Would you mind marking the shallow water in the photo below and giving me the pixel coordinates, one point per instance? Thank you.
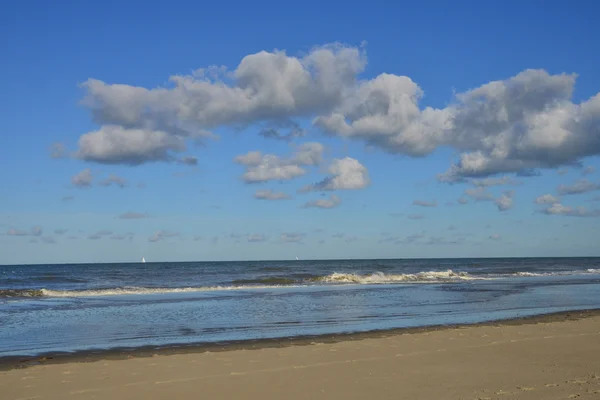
(56, 308)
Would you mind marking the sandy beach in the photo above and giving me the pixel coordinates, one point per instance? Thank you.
(548, 357)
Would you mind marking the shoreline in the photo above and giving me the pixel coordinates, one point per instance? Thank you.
(94, 355)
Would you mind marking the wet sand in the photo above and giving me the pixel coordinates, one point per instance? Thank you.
(548, 357)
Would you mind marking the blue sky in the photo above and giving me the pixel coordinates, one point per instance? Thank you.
(392, 114)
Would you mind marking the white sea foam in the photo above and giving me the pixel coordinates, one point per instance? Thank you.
(557, 273)
(143, 290)
(593, 270)
(337, 278)
(419, 277)
(531, 274)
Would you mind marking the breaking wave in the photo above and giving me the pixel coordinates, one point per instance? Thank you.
(557, 273)
(380, 277)
(119, 291)
(336, 278)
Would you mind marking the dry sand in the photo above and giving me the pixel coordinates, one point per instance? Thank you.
(553, 357)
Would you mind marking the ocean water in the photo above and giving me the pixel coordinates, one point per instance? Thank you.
(67, 308)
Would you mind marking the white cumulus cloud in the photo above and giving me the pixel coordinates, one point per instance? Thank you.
(346, 174)
(505, 201)
(516, 125)
(113, 144)
(522, 123)
(268, 167)
(141, 125)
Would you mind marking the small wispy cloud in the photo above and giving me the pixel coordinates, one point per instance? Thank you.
(189, 161)
(441, 241)
(35, 231)
(479, 194)
(292, 237)
(256, 237)
(58, 150)
(99, 234)
(412, 238)
(113, 180)
(588, 170)
(331, 202)
(547, 199)
(83, 179)
(17, 232)
(559, 209)
(133, 215)
(425, 203)
(126, 236)
(270, 195)
(162, 235)
(487, 182)
(578, 187)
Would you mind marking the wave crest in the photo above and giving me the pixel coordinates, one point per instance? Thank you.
(121, 291)
(297, 280)
(380, 277)
(142, 290)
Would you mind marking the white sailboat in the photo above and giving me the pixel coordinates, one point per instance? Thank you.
(143, 260)
(296, 258)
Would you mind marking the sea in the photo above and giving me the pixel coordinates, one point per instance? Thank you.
(69, 308)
